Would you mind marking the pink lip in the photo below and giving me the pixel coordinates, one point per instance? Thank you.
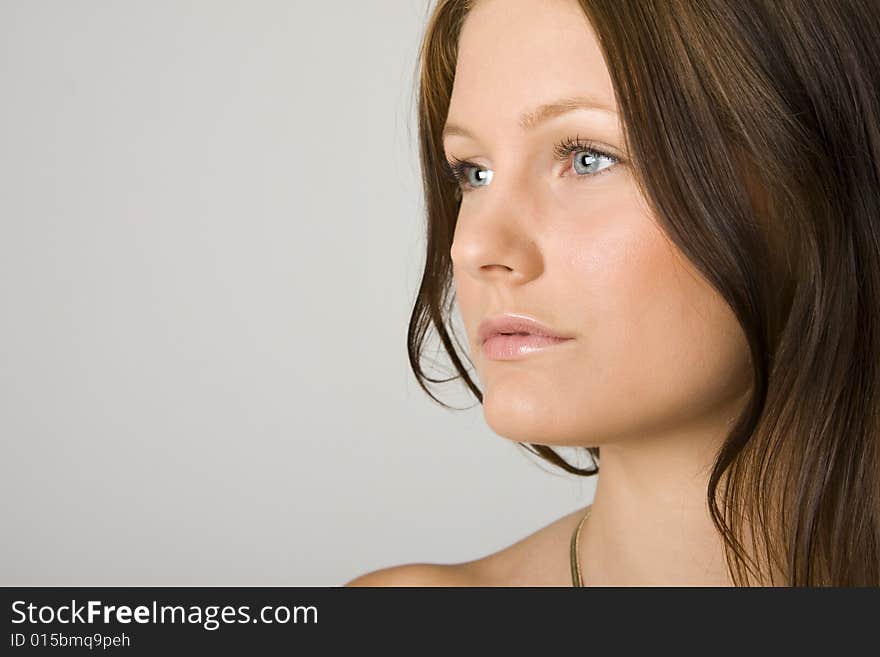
(498, 342)
(510, 347)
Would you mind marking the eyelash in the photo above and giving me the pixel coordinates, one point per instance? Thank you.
(456, 169)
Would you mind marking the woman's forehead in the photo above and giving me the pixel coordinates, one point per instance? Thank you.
(523, 57)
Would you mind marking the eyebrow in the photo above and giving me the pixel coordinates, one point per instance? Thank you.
(542, 113)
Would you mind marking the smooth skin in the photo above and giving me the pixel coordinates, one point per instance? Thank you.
(658, 368)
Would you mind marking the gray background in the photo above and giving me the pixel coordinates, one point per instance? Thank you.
(211, 235)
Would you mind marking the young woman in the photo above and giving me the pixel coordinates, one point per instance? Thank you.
(661, 219)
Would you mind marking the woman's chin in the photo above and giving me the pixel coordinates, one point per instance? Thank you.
(525, 418)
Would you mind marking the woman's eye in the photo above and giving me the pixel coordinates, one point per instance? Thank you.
(466, 175)
(588, 161)
(477, 177)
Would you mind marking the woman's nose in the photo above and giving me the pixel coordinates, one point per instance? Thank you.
(496, 239)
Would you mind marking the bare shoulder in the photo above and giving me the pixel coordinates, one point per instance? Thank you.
(418, 574)
(539, 559)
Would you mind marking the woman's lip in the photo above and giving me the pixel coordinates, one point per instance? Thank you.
(514, 323)
(512, 347)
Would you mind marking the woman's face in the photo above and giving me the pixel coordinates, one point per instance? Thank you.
(571, 243)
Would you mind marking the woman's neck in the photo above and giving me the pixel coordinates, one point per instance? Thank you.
(650, 522)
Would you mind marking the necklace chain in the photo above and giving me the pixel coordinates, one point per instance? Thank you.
(576, 578)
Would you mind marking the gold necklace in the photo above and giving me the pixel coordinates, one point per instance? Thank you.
(576, 579)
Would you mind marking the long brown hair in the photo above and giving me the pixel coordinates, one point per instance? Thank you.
(778, 205)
